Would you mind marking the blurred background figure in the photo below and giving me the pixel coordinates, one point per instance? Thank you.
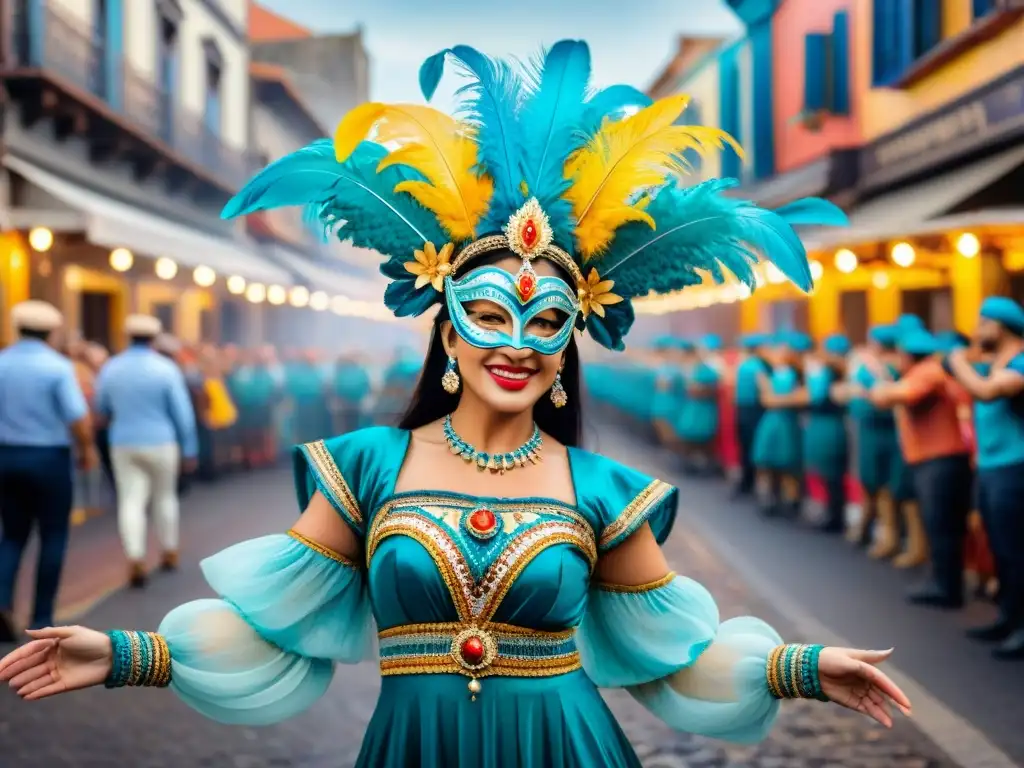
(43, 415)
(146, 400)
(751, 369)
(352, 387)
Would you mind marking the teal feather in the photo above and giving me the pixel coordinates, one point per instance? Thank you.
(551, 120)
(813, 211)
(611, 102)
(699, 228)
(489, 102)
(431, 72)
(349, 199)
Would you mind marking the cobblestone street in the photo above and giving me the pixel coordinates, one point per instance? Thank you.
(151, 729)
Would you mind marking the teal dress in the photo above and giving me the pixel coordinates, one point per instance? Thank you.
(351, 388)
(513, 614)
(880, 463)
(778, 442)
(698, 422)
(665, 398)
(825, 441)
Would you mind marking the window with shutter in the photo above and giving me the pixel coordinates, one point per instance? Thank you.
(815, 72)
(840, 64)
(729, 81)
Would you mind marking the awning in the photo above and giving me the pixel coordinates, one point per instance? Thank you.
(916, 209)
(112, 224)
(321, 278)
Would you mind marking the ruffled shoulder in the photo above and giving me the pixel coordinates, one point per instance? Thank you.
(355, 472)
(619, 499)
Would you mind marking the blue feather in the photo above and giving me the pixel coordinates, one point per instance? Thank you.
(551, 121)
(431, 72)
(813, 211)
(491, 99)
(612, 102)
(699, 228)
(349, 199)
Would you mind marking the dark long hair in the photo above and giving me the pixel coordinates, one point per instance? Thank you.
(430, 402)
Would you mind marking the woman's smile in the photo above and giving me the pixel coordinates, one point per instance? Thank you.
(511, 377)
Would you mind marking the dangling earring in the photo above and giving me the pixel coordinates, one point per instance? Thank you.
(558, 396)
(450, 381)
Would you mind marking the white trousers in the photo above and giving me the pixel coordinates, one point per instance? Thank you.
(145, 474)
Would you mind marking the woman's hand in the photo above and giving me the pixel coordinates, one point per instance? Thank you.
(850, 678)
(57, 660)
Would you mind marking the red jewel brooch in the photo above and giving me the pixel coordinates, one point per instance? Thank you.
(482, 523)
(529, 233)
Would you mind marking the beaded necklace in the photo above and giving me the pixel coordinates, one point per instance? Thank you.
(499, 463)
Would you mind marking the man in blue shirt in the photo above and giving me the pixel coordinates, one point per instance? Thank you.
(42, 411)
(998, 392)
(152, 432)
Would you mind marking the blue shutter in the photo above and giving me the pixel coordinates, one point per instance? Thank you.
(729, 77)
(840, 52)
(764, 103)
(114, 52)
(691, 116)
(927, 25)
(982, 7)
(815, 72)
(36, 25)
(885, 41)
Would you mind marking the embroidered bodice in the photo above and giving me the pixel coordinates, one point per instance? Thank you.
(441, 556)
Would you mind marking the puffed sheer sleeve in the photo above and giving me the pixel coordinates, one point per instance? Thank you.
(288, 609)
(664, 641)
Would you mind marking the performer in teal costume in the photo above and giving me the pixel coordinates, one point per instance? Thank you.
(686, 361)
(497, 616)
(747, 396)
(698, 420)
(778, 444)
(826, 446)
(351, 388)
(667, 386)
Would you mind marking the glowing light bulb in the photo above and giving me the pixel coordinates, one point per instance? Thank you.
(41, 239)
(276, 295)
(846, 260)
(903, 254)
(256, 292)
(165, 268)
(121, 259)
(204, 276)
(967, 245)
(319, 301)
(880, 280)
(236, 285)
(817, 270)
(299, 296)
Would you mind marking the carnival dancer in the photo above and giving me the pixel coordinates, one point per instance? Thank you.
(686, 358)
(498, 615)
(998, 393)
(751, 368)
(667, 382)
(351, 387)
(42, 413)
(826, 445)
(698, 422)
(152, 433)
(926, 402)
(778, 444)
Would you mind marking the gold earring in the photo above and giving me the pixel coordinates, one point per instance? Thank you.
(450, 381)
(558, 394)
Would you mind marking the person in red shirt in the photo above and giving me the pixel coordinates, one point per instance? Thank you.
(927, 402)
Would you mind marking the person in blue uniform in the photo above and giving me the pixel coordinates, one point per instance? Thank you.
(664, 401)
(826, 444)
(751, 368)
(778, 443)
(998, 393)
(503, 591)
(698, 421)
(44, 424)
(153, 434)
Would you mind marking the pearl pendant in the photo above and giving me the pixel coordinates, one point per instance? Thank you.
(474, 688)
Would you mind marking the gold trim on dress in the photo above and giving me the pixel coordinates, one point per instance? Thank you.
(320, 549)
(634, 514)
(325, 468)
(478, 600)
(637, 588)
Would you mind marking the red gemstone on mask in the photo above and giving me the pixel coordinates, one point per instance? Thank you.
(529, 234)
(472, 650)
(482, 521)
(525, 285)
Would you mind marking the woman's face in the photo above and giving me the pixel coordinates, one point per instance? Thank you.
(506, 379)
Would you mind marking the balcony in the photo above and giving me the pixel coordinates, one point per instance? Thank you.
(46, 45)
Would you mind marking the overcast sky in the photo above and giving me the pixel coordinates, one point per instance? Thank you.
(630, 42)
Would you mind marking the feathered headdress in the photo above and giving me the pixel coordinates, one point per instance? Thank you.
(538, 163)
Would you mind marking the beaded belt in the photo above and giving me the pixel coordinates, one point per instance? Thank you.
(483, 650)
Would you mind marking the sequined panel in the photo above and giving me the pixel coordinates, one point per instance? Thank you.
(480, 568)
(634, 515)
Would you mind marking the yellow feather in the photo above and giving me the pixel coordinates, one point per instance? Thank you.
(625, 158)
(436, 146)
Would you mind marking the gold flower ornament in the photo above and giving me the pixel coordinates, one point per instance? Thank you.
(430, 266)
(595, 294)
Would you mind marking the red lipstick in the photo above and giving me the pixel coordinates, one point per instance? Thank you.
(511, 378)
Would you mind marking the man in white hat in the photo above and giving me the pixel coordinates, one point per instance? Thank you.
(152, 434)
(42, 412)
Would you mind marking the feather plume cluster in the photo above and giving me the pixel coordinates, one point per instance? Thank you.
(605, 166)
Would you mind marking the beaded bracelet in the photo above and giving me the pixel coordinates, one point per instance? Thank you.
(139, 659)
(792, 672)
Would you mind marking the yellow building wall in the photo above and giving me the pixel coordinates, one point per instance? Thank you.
(887, 109)
(702, 88)
(189, 305)
(77, 280)
(14, 280)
